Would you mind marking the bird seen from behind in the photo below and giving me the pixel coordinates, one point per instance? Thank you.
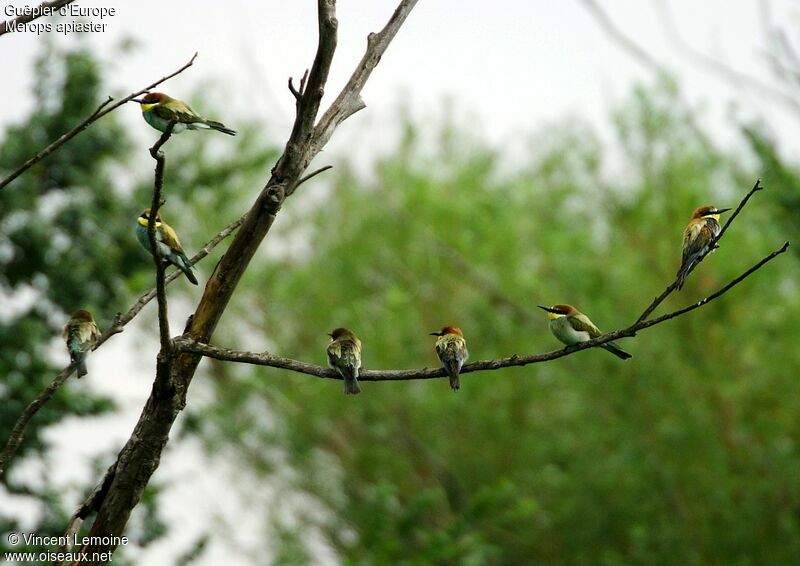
(80, 333)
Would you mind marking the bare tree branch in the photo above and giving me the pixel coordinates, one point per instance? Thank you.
(265, 359)
(349, 100)
(18, 432)
(96, 115)
(734, 77)
(43, 9)
(140, 456)
(158, 185)
(640, 54)
(313, 174)
(623, 40)
(164, 358)
(671, 287)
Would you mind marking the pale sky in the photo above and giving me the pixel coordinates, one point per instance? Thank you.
(515, 65)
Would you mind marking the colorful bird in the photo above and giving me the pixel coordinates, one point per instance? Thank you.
(80, 333)
(159, 110)
(167, 241)
(451, 347)
(571, 326)
(344, 355)
(702, 230)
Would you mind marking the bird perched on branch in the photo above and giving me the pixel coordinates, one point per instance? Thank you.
(451, 347)
(81, 334)
(167, 241)
(344, 355)
(703, 228)
(571, 326)
(159, 110)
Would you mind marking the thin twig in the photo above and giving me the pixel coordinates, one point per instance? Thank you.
(734, 77)
(43, 9)
(349, 100)
(672, 286)
(756, 187)
(140, 456)
(96, 115)
(313, 174)
(265, 359)
(645, 58)
(158, 185)
(18, 432)
(298, 94)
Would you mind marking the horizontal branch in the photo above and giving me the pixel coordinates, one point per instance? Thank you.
(18, 432)
(184, 344)
(96, 115)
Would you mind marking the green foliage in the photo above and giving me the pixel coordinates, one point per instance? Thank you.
(67, 242)
(63, 244)
(684, 454)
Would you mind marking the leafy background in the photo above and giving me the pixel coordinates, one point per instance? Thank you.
(687, 454)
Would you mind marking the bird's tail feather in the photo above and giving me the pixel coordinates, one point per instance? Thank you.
(220, 127)
(82, 367)
(189, 272)
(453, 368)
(616, 350)
(681, 275)
(182, 262)
(76, 354)
(351, 386)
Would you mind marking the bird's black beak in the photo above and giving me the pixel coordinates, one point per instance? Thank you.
(548, 309)
(435, 334)
(330, 334)
(137, 100)
(721, 210)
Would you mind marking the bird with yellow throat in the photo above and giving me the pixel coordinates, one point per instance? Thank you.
(571, 326)
(159, 110)
(169, 246)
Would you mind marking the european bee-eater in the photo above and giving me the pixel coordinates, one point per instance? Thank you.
(451, 347)
(344, 355)
(80, 333)
(167, 242)
(701, 231)
(159, 110)
(571, 326)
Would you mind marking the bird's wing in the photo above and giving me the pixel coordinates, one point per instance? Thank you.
(176, 110)
(696, 236)
(581, 323)
(450, 346)
(343, 353)
(351, 354)
(170, 238)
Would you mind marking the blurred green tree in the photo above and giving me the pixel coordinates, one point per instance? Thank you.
(684, 455)
(64, 244)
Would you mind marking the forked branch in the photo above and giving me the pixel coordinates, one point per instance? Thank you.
(714, 245)
(93, 117)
